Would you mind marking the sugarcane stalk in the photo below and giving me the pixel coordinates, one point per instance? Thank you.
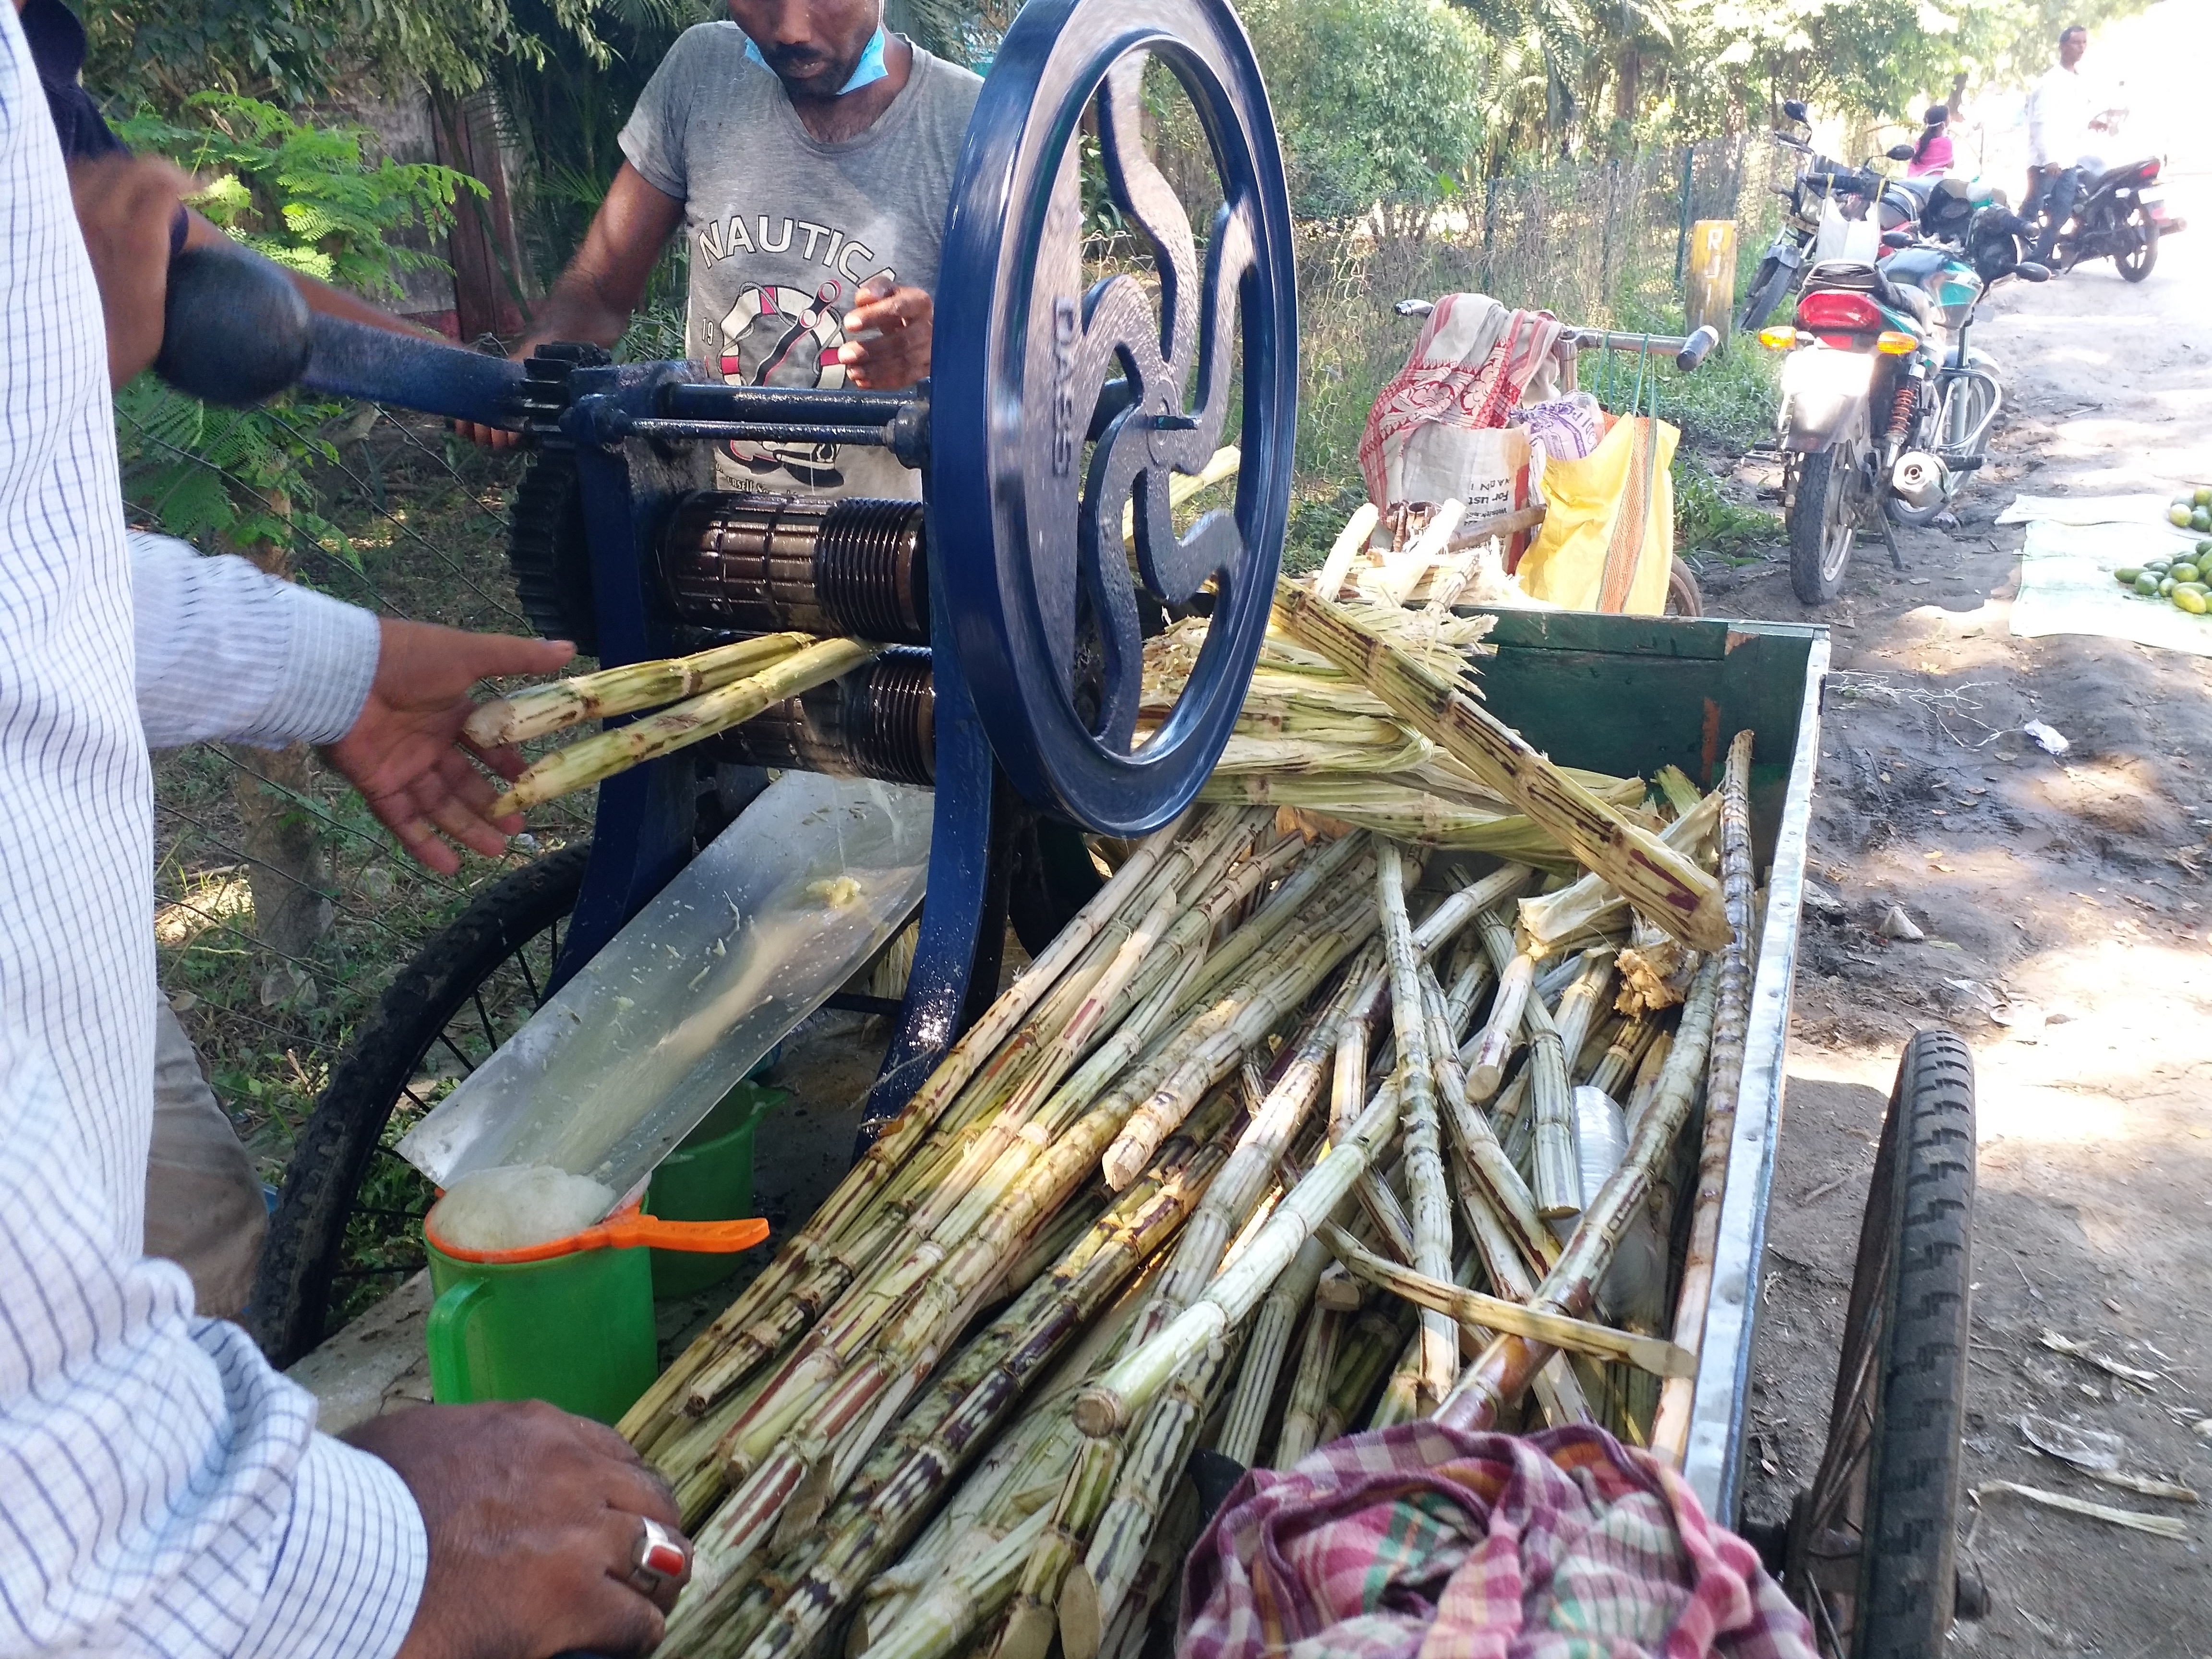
(964, 1599)
(1162, 1566)
(905, 1133)
(1485, 1069)
(1351, 542)
(1551, 922)
(538, 711)
(1266, 1350)
(1092, 1591)
(1623, 1055)
(1660, 882)
(1558, 1183)
(1487, 1177)
(1211, 1045)
(1365, 1355)
(586, 762)
(1308, 1397)
(1496, 1378)
(1108, 1406)
(1425, 1163)
(978, 1399)
(1283, 907)
(1649, 1072)
(1670, 1431)
(1494, 1312)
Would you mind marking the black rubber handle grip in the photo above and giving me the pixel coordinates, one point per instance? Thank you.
(234, 329)
(1697, 347)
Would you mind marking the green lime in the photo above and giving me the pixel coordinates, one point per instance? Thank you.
(2183, 572)
(2178, 514)
(2201, 497)
(2203, 551)
(2160, 564)
(2165, 586)
(2127, 573)
(2191, 600)
(2146, 585)
(2200, 519)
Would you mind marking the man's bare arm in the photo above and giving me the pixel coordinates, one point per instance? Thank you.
(603, 284)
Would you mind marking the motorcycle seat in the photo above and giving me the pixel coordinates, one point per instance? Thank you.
(1919, 266)
(2118, 175)
(1919, 189)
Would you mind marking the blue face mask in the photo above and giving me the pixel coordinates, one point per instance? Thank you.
(869, 69)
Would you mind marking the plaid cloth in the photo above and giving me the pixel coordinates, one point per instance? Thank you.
(1425, 1542)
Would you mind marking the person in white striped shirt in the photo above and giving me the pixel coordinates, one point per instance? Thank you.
(162, 1491)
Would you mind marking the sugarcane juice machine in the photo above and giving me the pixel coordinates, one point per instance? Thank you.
(1017, 616)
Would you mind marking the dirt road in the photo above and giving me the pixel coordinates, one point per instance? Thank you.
(2067, 903)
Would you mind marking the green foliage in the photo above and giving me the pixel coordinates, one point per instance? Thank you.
(162, 52)
(305, 195)
(308, 198)
(1707, 523)
(1376, 101)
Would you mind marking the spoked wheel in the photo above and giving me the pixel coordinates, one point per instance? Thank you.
(2138, 261)
(1824, 520)
(1873, 1545)
(1767, 289)
(1683, 597)
(349, 1224)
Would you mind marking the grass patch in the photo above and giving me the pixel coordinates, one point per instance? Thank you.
(1709, 525)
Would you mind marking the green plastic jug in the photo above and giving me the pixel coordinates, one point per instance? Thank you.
(574, 1329)
(709, 1177)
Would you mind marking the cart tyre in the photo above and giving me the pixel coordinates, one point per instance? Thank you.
(292, 1292)
(1683, 597)
(1909, 1300)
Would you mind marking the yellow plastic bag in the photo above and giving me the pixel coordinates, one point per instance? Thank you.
(1604, 546)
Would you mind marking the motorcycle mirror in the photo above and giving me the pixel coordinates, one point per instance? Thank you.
(1896, 239)
(2028, 271)
(1794, 109)
(1900, 152)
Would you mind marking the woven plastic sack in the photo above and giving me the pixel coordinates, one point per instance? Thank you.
(1608, 535)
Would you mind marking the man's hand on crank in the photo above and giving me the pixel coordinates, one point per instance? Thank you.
(125, 207)
(898, 353)
(534, 1518)
(405, 753)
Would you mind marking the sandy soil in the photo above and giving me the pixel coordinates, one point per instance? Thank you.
(2069, 928)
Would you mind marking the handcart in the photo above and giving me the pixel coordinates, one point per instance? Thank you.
(1019, 719)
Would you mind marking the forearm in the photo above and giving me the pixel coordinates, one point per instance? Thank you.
(582, 307)
(320, 296)
(225, 651)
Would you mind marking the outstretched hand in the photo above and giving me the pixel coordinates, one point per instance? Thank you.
(405, 753)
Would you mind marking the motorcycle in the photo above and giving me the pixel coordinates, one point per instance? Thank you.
(2094, 212)
(1827, 219)
(1887, 406)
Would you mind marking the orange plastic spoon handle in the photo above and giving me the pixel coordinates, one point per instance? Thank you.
(700, 1238)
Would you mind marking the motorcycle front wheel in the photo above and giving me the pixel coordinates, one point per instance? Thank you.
(1766, 291)
(2138, 262)
(1823, 522)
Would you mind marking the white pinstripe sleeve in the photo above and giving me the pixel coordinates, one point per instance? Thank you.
(165, 1494)
(162, 1491)
(225, 651)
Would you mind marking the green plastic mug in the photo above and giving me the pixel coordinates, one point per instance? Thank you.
(574, 1329)
(709, 1177)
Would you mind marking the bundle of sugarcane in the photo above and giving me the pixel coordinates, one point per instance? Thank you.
(1277, 1140)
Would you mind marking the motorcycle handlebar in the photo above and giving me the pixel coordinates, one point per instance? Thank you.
(1697, 347)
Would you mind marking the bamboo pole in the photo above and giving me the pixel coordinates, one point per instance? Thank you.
(538, 711)
(586, 762)
(1665, 885)
(1496, 1377)
(1494, 1312)
(1670, 1431)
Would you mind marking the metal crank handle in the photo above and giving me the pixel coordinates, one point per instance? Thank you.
(235, 332)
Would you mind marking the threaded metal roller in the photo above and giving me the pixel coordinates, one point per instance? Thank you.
(758, 565)
(878, 723)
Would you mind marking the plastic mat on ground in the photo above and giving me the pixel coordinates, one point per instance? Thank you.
(2067, 585)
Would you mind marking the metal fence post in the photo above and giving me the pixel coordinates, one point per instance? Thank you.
(1682, 235)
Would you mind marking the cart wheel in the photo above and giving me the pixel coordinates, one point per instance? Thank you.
(1683, 597)
(1872, 1546)
(349, 1222)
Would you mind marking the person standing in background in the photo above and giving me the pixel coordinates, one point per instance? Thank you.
(1932, 156)
(2067, 114)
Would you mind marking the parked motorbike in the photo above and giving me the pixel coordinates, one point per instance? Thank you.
(1827, 219)
(2090, 211)
(1886, 407)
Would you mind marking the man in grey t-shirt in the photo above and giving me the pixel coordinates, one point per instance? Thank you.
(809, 157)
